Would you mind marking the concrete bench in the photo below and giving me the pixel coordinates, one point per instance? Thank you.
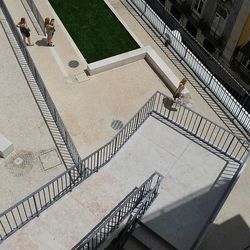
(147, 53)
(166, 73)
(6, 147)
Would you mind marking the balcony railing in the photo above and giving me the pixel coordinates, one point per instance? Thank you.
(139, 199)
(208, 132)
(193, 55)
(50, 104)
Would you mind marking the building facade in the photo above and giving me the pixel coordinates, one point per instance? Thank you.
(222, 27)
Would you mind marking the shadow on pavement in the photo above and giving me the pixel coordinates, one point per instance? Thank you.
(42, 42)
(233, 234)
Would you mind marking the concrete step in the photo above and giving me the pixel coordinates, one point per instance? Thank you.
(150, 239)
(134, 244)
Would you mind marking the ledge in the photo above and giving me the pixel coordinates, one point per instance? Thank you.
(6, 147)
(147, 53)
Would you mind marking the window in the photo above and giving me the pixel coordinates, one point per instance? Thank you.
(198, 6)
(209, 46)
(246, 62)
(219, 21)
(191, 29)
(175, 12)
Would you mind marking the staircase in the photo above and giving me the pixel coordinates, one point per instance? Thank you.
(144, 238)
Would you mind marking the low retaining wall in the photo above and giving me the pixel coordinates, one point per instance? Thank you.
(147, 53)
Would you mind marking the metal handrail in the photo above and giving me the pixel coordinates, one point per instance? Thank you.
(37, 15)
(52, 108)
(202, 128)
(235, 99)
(103, 230)
(219, 205)
(32, 205)
(133, 219)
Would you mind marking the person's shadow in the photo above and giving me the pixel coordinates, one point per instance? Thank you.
(168, 104)
(42, 42)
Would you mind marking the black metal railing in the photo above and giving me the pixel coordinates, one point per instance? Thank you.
(192, 54)
(51, 106)
(133, 219)
(208, 132)
(31, 206)
(100, 157)
(37, 14)
(34, 204)
(202, 128)
(219, 204)
(140, 199)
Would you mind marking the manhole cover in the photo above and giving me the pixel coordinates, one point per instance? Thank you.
(116, 124)
(73, 64)
(50, 159)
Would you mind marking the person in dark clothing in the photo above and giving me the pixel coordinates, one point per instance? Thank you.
(25, 31)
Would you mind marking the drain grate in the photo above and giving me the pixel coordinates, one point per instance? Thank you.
(116, 124)
(73, 64)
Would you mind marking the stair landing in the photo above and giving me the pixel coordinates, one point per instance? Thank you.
(177, 215)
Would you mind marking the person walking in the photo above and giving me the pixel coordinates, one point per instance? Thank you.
(49, 31)
(178, 93)
(25, 31)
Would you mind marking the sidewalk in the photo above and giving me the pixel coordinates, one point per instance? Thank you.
(22, 123)
(89, 106)
(186, 187)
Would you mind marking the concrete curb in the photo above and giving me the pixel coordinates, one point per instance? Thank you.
(71, 41)
(6, 147)
(123, 23)
(147, 53)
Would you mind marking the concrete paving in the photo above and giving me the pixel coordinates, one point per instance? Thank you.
(22, 123)
(186, 188)
(89, 105)
(117, 93)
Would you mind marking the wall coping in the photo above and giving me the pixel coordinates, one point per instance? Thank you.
(147, 53)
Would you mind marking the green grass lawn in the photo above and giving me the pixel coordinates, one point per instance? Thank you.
(94, 28)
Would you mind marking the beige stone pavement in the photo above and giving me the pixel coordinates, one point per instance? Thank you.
(88, 107)
(22, 123)
(187, 181)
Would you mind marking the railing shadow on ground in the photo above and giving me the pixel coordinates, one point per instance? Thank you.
(228, 97)
(226, 117)
(30, 207)
(191, 122)
(45, 102)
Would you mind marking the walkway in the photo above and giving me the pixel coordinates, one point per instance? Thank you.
(89, 105)
(187, 189)
(116, 95)
(22, 123)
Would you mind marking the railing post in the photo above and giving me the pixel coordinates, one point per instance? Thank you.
(144, 9)
(116, 144)
(185, 54)
(97, 160)
(198, 126)
(137, 121)
(35, 205)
